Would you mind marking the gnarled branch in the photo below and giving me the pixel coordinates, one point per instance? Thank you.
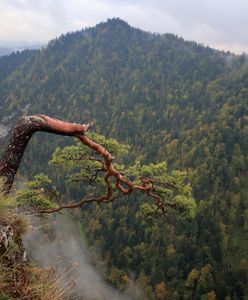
(122, 184)
(21, 135)
(27, 126)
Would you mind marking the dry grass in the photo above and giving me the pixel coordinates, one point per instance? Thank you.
(30, 283)
(18, 279)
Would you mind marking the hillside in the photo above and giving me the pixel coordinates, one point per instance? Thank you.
(9, 63)
(170, 100)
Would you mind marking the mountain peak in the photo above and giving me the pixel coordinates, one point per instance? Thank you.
(117, 21)
(114, 23)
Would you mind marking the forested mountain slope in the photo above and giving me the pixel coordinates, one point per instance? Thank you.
(9, 63)
(170, 100)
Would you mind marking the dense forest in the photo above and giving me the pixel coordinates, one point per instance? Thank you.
(9, 63)
(170, 100)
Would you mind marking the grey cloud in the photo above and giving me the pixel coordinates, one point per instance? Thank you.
(220, 24)
(226, 21)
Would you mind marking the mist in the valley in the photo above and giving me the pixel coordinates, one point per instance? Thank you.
(55, 241)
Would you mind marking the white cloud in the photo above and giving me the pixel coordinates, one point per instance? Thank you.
(221, 24)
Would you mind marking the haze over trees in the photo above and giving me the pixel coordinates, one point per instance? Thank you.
(172, 101)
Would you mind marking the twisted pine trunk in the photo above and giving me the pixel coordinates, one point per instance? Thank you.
(27, 126)
(21, 135)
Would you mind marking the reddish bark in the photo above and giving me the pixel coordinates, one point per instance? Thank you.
(122, 184)
(21, 135)
(23, 132)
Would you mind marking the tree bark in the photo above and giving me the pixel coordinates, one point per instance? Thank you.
(21, 135)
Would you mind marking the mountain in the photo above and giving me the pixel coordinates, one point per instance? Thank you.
(109, 64)
(171, 100)
(9, 63)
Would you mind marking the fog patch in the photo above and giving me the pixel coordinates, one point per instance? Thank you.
(233, 61)
(55, 241)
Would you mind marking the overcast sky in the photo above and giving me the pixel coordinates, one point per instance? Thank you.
(221, 24)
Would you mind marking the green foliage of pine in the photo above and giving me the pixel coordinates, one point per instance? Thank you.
(39, 194)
